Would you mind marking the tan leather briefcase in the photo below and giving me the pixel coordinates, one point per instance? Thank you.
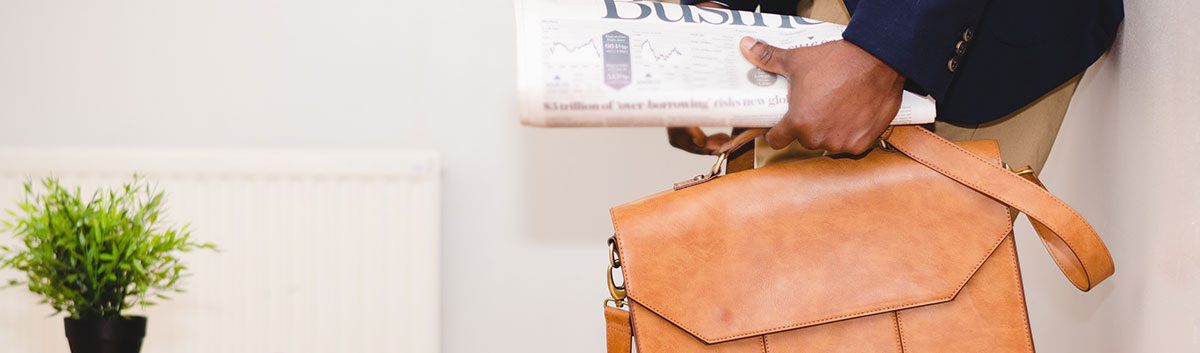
(906, 249)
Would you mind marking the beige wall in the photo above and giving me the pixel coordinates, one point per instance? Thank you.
(1127, 159)
(524, 210)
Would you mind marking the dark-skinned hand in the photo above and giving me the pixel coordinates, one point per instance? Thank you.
(840, 97)
(693, 140)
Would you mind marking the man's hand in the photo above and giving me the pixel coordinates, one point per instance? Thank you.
(840, 97)
(693, 140)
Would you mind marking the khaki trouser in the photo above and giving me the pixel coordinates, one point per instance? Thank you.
(1025, 136)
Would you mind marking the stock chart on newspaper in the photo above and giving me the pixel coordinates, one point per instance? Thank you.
(656, 59)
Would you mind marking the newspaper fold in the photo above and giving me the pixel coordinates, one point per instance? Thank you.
(620, 63)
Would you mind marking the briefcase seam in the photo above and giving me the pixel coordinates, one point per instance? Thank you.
(899, 331)
(1021, 293)
(893, 308)
(633, 327)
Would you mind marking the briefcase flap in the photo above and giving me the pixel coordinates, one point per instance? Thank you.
(807, 242)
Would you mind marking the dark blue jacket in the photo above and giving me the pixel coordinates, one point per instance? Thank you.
(980, 59)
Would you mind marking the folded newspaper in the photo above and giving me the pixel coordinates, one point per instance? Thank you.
(620, 63)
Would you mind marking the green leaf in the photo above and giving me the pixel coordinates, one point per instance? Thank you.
(93, 257)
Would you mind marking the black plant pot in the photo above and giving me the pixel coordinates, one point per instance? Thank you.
(106, 336)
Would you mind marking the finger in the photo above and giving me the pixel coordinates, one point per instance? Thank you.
(779, 136)
(865, 139)
(860, 146)
(698, 137)
(883, 119)
(715, 142)
(679, 138)
(682, 138)
(681, 135)
(766, 57)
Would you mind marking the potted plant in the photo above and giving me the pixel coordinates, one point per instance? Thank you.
(95, 257)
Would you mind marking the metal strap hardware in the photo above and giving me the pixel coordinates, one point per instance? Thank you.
(614, 263)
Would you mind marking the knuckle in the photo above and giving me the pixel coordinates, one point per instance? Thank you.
(768, 54)
(858, 148)
(856, 145)
(777, 141)
(794, 124)
(833, 144)
(810, 143)
(835, 147)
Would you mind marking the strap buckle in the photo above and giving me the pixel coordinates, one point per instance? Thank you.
(716, 169)
(884, 146)
(1022, 171)
(615, 303)
(614, 263)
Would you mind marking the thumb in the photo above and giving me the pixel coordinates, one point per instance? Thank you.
(779, 137)
(765, 56)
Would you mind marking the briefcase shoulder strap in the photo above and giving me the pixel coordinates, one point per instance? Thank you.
(1071, 241)
(619, 331)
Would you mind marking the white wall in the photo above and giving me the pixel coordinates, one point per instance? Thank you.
(524, 210)
(1126, 158)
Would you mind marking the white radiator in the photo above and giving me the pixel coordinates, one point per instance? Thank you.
(322, 251)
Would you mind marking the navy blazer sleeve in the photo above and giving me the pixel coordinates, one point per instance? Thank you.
(980, 59)
(984, 59)
(915, 37)
(918, 38)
